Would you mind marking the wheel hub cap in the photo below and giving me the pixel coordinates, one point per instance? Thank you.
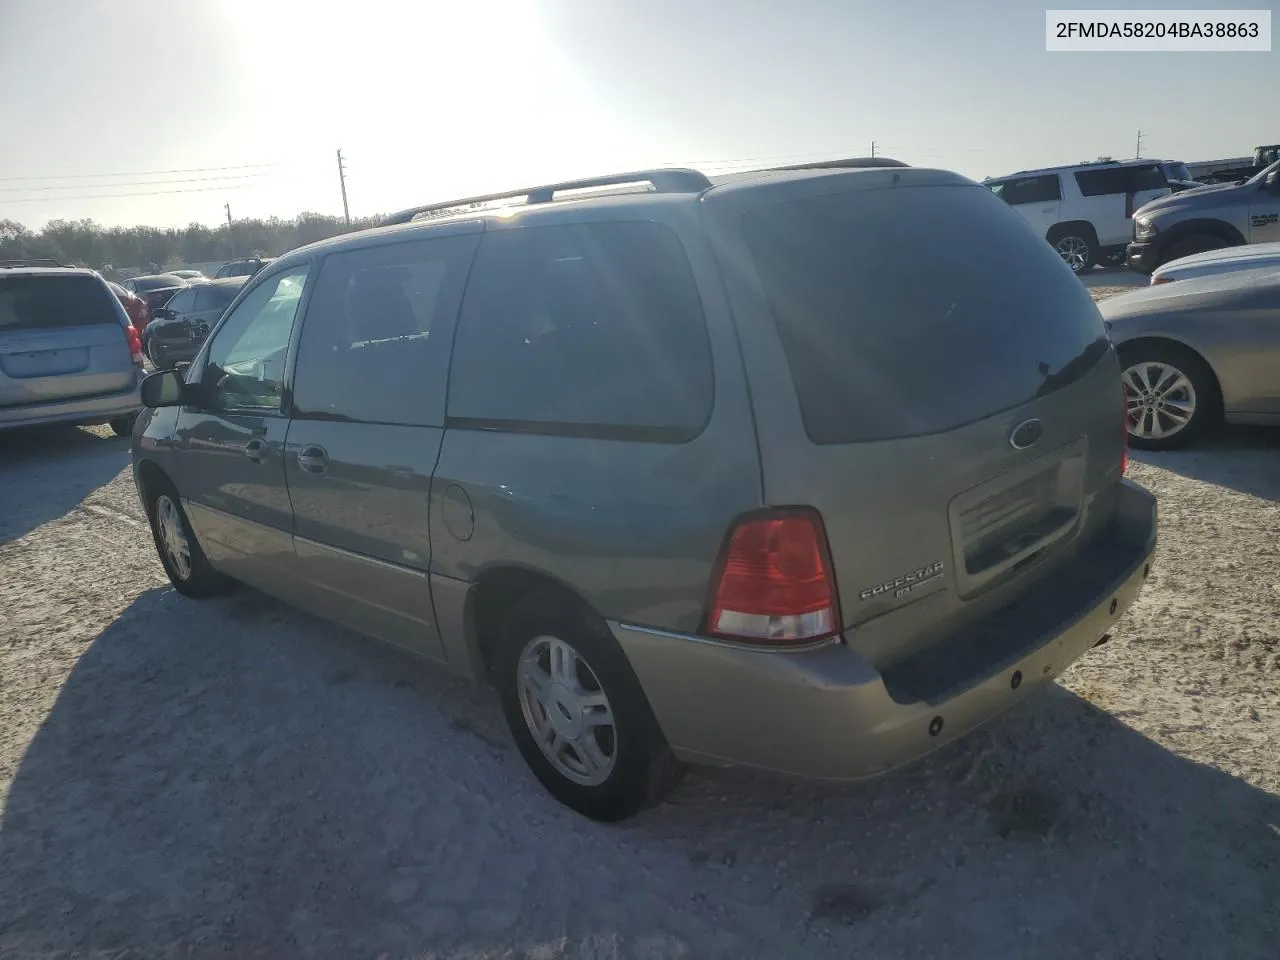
(566, 710)
(173, 537)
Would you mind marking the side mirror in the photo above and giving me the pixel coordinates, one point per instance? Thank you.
(165, 388)
(1273, 180)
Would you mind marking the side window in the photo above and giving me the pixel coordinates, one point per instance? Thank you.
(181, 302)
(206, 298)
(367, 339)
(1042, 189)
(244, 366)
(1137, 179)
(1099, 183)
(584, 329)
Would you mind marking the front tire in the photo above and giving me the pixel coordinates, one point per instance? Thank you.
(1196, 243)
(184, 562)
(577, 712)
(1170, 394)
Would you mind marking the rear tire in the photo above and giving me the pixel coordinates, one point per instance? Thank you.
(577, 712)
(1076, 247)
(1196, 243)
(123, 426)
(184, 562)
(1171, 395)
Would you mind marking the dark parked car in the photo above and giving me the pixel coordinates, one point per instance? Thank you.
(756, 473)
(242, 268)
(180, 326)
(155, 289)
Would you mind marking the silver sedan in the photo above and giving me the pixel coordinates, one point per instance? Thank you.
(1197, 351)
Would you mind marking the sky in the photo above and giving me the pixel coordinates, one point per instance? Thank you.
(159, 112)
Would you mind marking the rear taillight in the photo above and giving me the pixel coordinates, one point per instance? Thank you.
(775, 583)
(135, 343)
(1156, 280)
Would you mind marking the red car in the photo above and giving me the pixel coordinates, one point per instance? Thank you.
(134, 306)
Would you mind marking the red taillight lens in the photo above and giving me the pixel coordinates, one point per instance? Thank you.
(775, 583)
(135, 343)
(1156, 280)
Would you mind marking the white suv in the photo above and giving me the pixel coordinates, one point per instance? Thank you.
(1085, 210)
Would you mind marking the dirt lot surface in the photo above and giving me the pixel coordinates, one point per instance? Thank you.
(237, 779)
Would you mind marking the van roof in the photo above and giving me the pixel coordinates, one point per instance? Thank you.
(616, 191)
(47, 271)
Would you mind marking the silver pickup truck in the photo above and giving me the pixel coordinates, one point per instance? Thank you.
(1207, 218)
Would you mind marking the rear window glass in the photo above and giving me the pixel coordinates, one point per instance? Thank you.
(585, 329)
(895, 329)
(1116, 180)
(40, 302)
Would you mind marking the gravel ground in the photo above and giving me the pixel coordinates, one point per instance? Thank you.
(235, 778)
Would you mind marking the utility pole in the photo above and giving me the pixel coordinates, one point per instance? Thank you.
(342, 181)
(873, 149)
(231, 240)
(1137, 153)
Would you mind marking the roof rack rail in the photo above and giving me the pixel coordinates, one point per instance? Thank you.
(667, 180)
(851, 163)
(37, 262)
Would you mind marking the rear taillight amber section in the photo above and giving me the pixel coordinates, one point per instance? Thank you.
(775, 582)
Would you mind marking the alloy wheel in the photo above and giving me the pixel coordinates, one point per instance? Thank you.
(1160, 400)
(173, 536)
(1074, 251)
(567, 711)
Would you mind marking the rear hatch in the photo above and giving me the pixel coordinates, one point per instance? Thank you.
(61, 336)
(956, 417)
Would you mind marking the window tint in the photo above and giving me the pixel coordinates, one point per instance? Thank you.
(1042, 189)
(40, 302)
(182, 302)
(893, 331)
(245, 363)
(1112, 180)
(365, 340)
(586, 329)
(214, 296)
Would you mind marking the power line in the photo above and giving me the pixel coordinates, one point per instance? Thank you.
(137, 183)
(140, 173)
(148, 193)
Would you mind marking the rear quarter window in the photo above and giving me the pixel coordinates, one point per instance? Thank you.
(583, 329)
(913, 310)
(41, 302)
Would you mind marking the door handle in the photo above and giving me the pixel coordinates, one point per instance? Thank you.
(313, 459)
(253, 450)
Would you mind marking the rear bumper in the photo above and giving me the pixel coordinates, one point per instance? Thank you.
(86, 410)
(1142, 257)
(827, 714)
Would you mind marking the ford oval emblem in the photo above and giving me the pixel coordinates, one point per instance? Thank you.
(1026, 434)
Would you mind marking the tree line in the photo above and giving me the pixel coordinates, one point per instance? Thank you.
(110, 249)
